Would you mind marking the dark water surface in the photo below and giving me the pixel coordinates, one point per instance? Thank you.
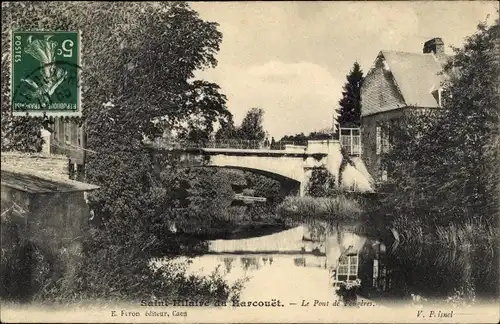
(303, 262)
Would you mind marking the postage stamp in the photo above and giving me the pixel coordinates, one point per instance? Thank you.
(45, 73)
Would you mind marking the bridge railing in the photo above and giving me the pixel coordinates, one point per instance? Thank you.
(235, 144)
(227, 143)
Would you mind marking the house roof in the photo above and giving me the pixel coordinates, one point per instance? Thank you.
(33, 181)
(417, 76)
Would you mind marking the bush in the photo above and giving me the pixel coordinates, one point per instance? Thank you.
(331, 210)
(116, 268)
(321, 184)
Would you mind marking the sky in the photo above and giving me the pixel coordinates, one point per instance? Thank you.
(291, 58)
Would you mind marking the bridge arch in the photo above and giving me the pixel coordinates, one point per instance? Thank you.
(288, 186)
(285, 167)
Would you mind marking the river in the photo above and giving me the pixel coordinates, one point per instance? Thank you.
(299, 264)
(290, 265)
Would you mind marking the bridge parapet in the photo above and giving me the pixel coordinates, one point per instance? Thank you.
(297, 147)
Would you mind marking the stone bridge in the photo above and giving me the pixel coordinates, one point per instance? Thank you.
(290, 163)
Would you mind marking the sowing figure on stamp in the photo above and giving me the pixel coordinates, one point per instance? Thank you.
(52, 76)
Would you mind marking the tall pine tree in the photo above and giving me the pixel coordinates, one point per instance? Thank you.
(349, 113)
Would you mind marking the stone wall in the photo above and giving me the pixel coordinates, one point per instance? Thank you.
(50, 225)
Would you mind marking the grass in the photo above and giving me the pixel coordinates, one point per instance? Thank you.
(331, 210)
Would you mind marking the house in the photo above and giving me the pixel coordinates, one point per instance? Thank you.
(44, 219)
(396, 83)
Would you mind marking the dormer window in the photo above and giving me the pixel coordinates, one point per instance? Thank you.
(441, 95)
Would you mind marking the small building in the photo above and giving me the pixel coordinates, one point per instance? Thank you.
(44, 220)
(396, 83)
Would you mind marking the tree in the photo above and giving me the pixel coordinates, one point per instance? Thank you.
(227, 130)
(301, 139)
(441, 161)
(349, 114)
(323, 134)
(146, 67)
(21, 133)
(137, 67)
(298, 139)
(251, 126)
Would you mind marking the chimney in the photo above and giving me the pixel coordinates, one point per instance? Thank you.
(435, 45)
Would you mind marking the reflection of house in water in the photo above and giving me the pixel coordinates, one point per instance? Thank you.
(249, 263)
(357, 257)
(348, 256)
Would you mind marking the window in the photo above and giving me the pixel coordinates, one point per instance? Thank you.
(384, 175)
(79, 136)
(67, 130)
(350, 139)
(375, 273)
(379, 139)
(60, 125)
(383, 138)
(347, 268)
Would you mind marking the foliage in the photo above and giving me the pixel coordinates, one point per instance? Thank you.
(116, 268)
(264, 187)
(331, 210)
(325, 134)
(117, 68)
(251, 126)
(227, 130)
(350, 103)
(204, 199)
(456, 258)
(138, 65)
(443, 166)
(20, 133)
(297, 139)
(441, 161)
(321, 183)
(301, 139)
(210, 195)
(128, 51)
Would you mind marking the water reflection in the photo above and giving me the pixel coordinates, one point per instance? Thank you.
(303, 262)
(288, 277)
(307, 262)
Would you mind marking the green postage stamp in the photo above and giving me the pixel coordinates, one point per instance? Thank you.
(45, 73)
